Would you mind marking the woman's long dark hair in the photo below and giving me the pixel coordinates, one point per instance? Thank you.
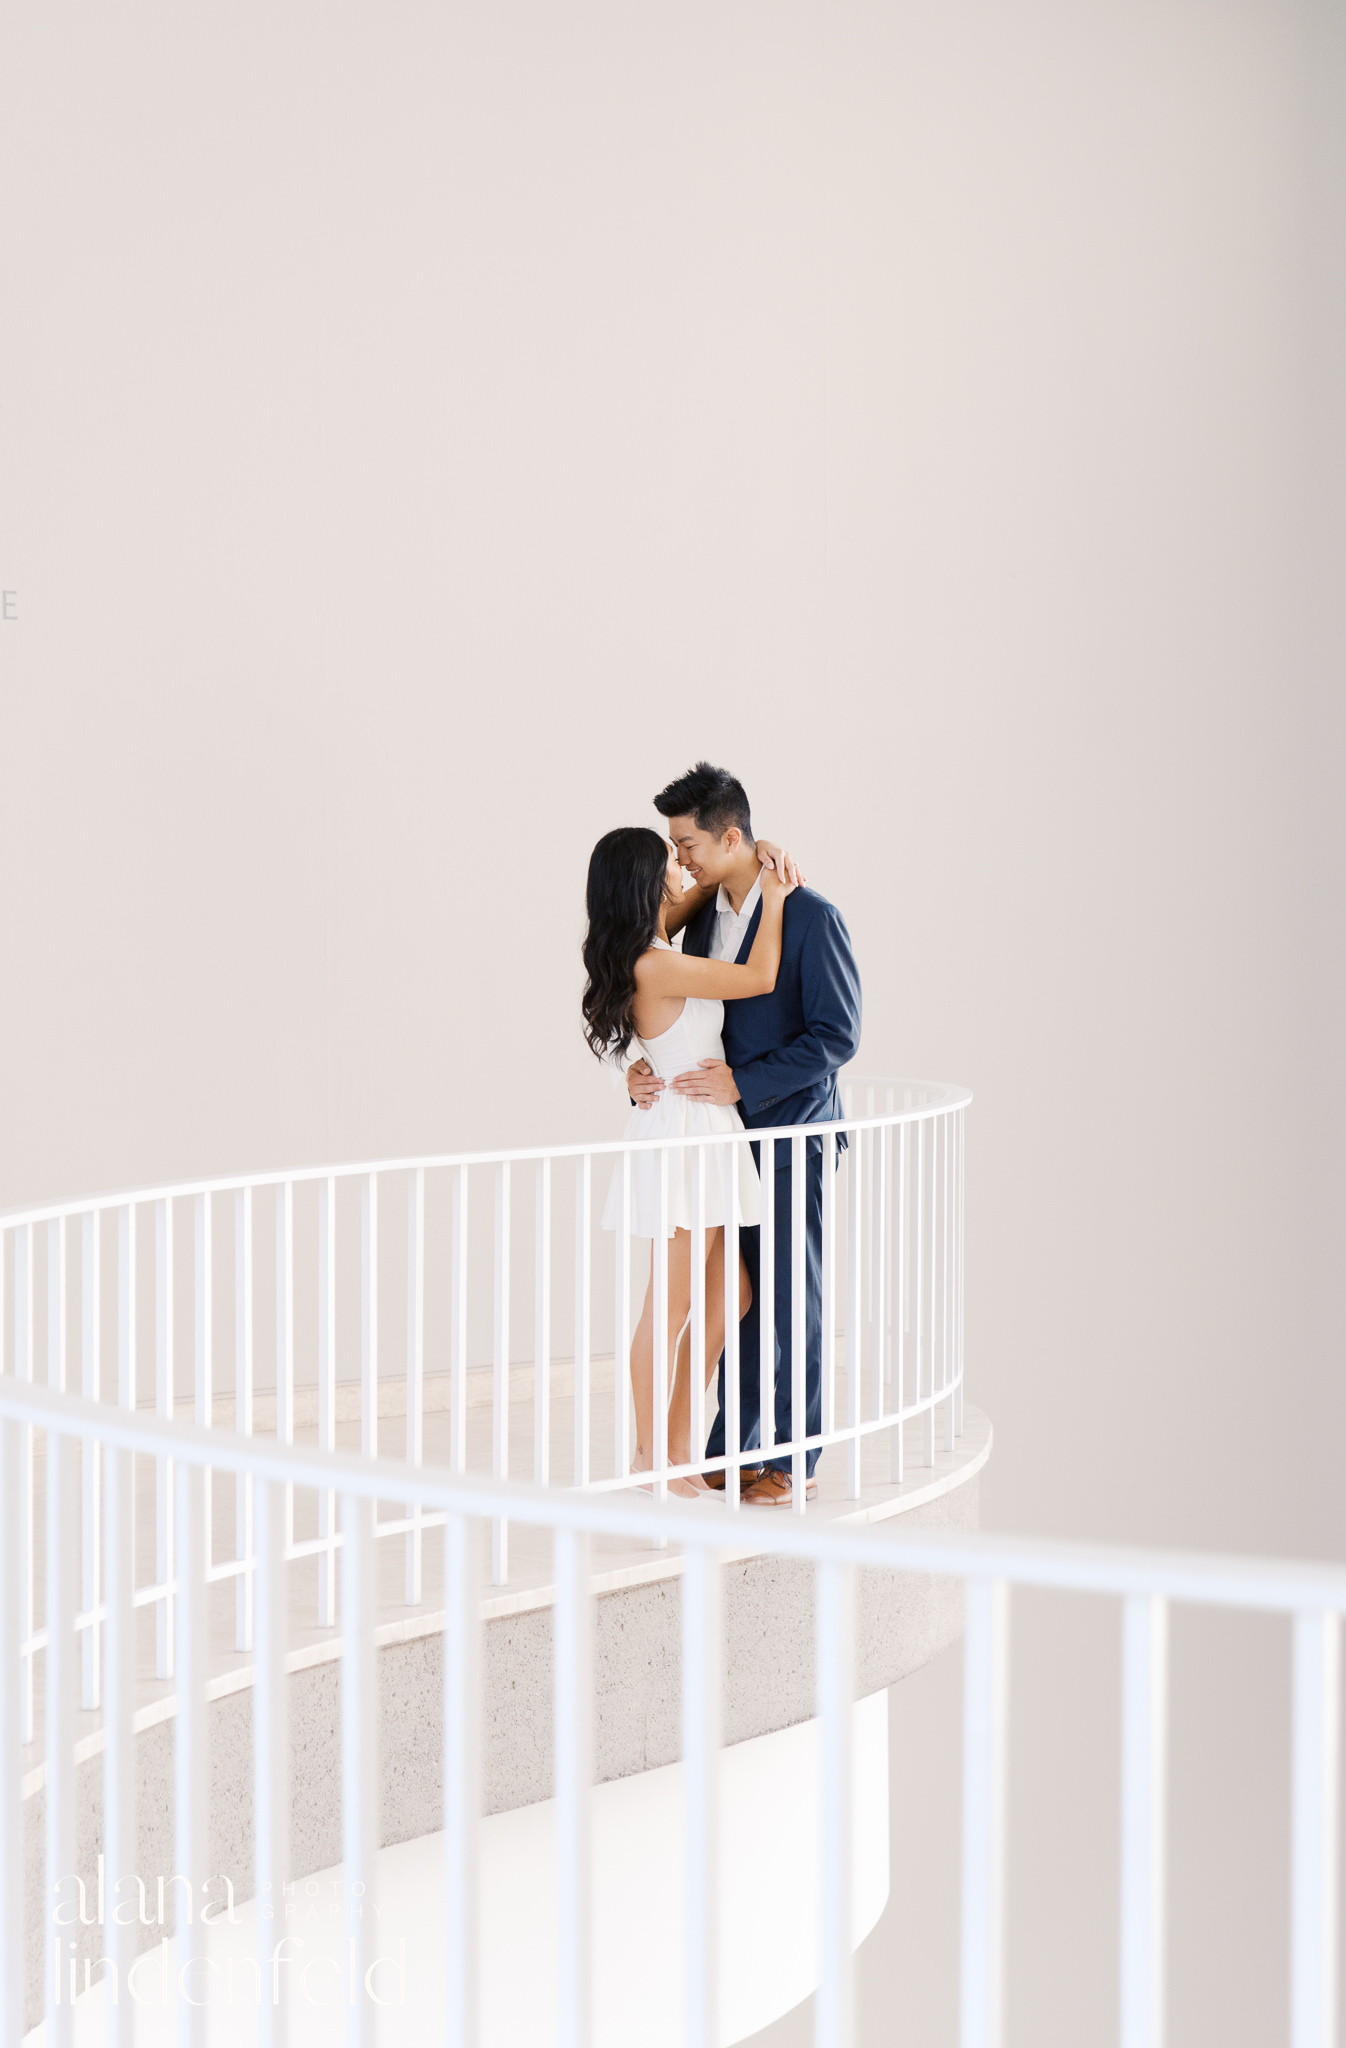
(624, 891)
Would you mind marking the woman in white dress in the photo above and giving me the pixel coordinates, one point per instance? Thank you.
(643, 996)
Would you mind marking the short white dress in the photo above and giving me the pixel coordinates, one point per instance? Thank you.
(696, 1036)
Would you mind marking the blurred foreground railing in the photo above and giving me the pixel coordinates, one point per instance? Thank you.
(66, 1428)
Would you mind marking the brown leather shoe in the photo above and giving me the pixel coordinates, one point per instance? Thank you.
(748, 1476)
(775, 1489)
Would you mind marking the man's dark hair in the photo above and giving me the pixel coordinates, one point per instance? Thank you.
(712, 796)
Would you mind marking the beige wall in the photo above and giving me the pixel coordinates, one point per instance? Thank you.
(425, 430)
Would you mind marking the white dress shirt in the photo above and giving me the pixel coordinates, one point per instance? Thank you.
(731, 926)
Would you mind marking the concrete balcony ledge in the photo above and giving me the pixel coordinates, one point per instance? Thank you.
(392, 1394)
(902, 1621)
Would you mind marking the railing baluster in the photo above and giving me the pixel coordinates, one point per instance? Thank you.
(932, 1299)
(696, 1346)
(985, 1704)
(327, 1500)
(126, 1306)
(203, 1351)
(835, 1653)
(359, 1705)
(918, 1264)
(462, 1776)
(766, 1300)
(191, 1818)
(458, 1326)
(936, 1291)
(621, 1346)
(701, 1682)
(897, 1465)
(90, 1458)
(121, 1858)
(204, 1306)
(500, 1370)
(574, 1716)
(870, 1207)
(13, 1917)
(946, 1331)
(243, 1413)
(659, 1336)
(733, 1421)
(878, 1361)
(415, 1368)
(163, 1467)
(270, 1748)
(62, 1509)
(359, 1757)
(56, 1330)
(1314, 1854)
(829, 1282)
(285, 1333)
(854, 1306)
(1144, 1745)
(542, 1325)
(369, 1314)
(958, 1422)
(69, 1459)
(23, 1370)
(799, 1427)
(888, 1139)
(583, 1291)
(126, 1370)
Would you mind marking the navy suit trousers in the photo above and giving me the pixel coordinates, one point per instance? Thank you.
(750, 1329)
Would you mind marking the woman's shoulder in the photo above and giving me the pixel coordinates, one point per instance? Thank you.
(646, 963)
(654, 956)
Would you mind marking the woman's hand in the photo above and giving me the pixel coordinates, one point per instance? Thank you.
(773, 856)
(775, 886)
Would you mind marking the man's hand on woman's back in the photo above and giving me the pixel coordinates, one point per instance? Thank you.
(643, 1084)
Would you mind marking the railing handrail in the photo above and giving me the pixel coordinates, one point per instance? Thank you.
(1268, 1585)
(945, 1096)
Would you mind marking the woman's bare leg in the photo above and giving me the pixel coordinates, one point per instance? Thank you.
(642, 1344)
(680, 1403)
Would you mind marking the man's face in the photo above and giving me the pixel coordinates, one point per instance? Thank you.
(706, 858)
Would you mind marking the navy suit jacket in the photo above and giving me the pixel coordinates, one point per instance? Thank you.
(787, 1048)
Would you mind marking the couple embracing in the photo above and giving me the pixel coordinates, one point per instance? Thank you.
(747, 1026)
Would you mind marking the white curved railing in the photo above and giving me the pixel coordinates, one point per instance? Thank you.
(1143, 1584)
(891, 1283)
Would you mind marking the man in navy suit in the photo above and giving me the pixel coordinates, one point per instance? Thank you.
(782, 1056)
